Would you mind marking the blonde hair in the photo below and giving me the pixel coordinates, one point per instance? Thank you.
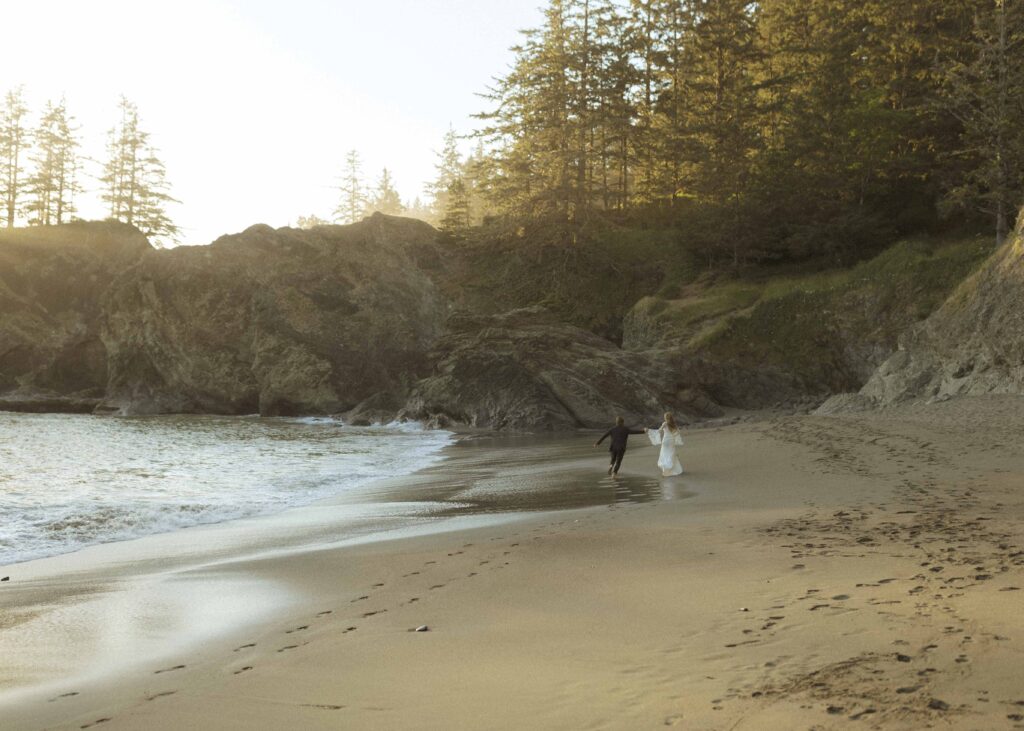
(671, 421)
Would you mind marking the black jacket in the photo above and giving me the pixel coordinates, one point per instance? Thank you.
(619, 435)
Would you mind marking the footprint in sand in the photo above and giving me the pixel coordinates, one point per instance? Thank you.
(324, 613)
(168, 670)
(242, 670)
(97, 721)
(865, 712)
(244, 647)
(370, 614)
(297, 629)
(377, 586)
(359, 599)
(64, 695)
(160, 695)
(287, 647)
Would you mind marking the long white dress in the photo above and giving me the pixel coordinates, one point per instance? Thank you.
(669, 440)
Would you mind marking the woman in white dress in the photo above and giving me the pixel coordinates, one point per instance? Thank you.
(669, 437)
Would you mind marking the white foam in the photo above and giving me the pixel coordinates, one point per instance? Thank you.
(71, 481)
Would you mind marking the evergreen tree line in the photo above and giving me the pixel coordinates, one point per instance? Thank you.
(453, 198)
(42, 170)
(768, 129)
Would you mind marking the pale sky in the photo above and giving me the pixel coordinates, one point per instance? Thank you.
(253, 104)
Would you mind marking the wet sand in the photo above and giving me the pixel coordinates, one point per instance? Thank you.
(860, 571)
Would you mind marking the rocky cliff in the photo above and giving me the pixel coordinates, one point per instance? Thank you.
(972, 344)
(386, 318)
(791, 339)
(278, 322)
(53, 282)
(363, 320)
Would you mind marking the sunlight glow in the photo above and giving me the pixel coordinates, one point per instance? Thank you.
(253, 105)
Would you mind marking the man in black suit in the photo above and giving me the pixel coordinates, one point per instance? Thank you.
(620, 435)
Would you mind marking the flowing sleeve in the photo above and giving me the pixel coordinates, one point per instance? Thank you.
(654, 435)
(679, 438)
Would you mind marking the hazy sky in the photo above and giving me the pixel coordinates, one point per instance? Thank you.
(253, 103)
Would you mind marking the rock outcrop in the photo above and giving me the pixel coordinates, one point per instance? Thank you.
(278, 322)
(337, 319)
(373, 321)
(525, 370)
(972, 344)
(53, 281)
(786, 341)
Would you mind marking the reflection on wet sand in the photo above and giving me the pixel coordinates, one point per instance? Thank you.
(535, 472)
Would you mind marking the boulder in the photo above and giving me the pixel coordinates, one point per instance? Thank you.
(525, 370)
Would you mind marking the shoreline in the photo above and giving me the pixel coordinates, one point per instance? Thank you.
(136, 571)
(820, 572)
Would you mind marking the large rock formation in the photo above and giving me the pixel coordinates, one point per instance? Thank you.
(790, 340)
(274, 321)
(52, 284)
(373, 320)
(972, 344)
(337, 319)
(525, 370)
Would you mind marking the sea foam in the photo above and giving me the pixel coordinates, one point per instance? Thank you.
(67, 481)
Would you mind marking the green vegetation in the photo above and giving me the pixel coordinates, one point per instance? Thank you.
(827, 328)
(761, 131)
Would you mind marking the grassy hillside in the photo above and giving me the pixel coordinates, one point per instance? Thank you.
(821, 331)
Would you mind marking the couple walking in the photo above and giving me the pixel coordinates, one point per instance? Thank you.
(667, 435)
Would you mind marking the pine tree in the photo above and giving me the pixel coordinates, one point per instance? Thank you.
(14, 139)
(385, 198)
(353, 198)
(135, 178)
(54, 181)
(987, 95)
(457, 215)
(449, 168)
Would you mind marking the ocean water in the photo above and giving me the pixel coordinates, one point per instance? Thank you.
(70, 481)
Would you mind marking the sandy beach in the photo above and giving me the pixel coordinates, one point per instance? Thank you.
(805, 572)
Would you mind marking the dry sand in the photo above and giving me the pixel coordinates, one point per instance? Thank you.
(860, 571)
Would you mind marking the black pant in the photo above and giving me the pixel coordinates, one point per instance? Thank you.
(617, 455)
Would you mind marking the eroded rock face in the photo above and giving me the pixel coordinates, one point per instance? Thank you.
(338, 319)
(52, 283)
(524, 370)
(973, 344)
(278, 322)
